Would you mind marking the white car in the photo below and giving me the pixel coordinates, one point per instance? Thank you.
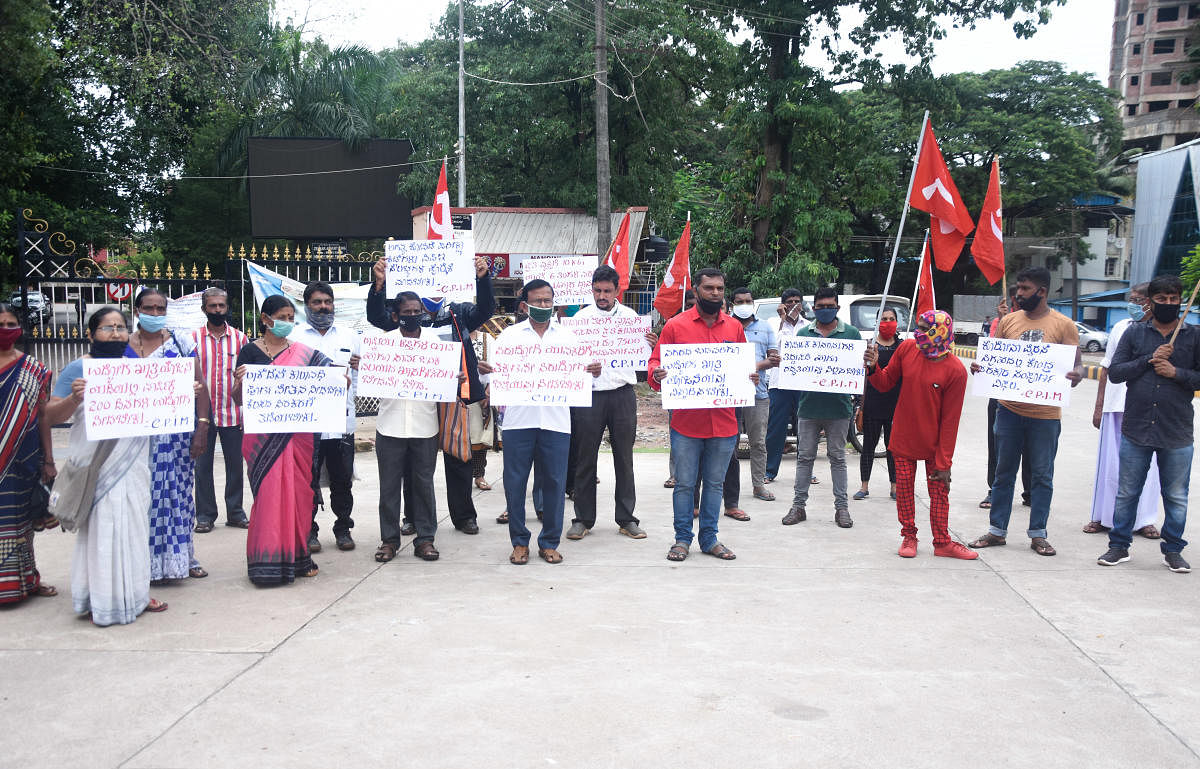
(1091, 339)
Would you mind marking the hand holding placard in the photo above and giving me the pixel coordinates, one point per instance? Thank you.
(126, 397)
(1027, 372)
(706, 376)
(821, 364)
(294, 399)
(540, 375)
(395, 366)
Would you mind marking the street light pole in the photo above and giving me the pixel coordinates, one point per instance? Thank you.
(462, 117)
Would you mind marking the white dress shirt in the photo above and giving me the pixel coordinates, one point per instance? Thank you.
(1114, 392)
(404, 417)
(339, 344)
(556, 418)
(610, 378)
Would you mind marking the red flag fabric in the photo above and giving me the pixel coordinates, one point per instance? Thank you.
(440, 226)
(618, 255)
(925, 297)
(678, 278)
(988, 245)
(934, 192)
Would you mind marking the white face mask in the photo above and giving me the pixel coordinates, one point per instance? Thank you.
(743, 311)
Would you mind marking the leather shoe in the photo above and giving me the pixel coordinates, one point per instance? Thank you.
(409, 529)
(470, 527)
(344, 541)
(426, 551)
(794, 516)
(314, 544)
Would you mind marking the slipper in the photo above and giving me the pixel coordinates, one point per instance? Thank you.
(156, 606)
(737, 514)
(815, 479)
(197, 572)
(1040, 546)
(46, 591)
(1149, 532)
(720, 551)
(1094, 527)
(482, 484)
(502, 518)
(314, 571)
(203, 527)
(520, 555)
(988, 540)
(678, 552)
(669, 483)
(549, 555)
(860, 494)
(987, 502)
(764, 495)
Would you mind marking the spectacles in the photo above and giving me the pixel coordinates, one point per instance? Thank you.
(114, 329)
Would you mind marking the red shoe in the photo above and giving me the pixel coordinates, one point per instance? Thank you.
(908, 548)
(955, 550)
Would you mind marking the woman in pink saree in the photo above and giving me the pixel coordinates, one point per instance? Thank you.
(279, 464)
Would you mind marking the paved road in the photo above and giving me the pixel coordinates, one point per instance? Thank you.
(817, 647)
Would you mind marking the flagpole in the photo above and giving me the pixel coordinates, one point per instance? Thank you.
(903, 216)
(917, 285)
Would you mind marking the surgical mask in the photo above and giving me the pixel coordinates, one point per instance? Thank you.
(887, 328)
(410, 322)
(826, 315)
(152, 323)
(216, 318)
(1165, 313)
(432, 305)
(1135, 310)
(540, 314)
(709, 306)
(9, 337)
(743, 311)
(1029, 303)
(320, 319)
(112, 349)
(282, 328)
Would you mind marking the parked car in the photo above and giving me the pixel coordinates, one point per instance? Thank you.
(1091, 339)
(40, 308)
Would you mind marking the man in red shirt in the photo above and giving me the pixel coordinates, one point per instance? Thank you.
(702, 440)
(932, 385)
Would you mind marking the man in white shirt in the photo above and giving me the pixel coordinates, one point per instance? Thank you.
(783, 403)
(406, 446)
(614, 406)
(334, 450)
(540, 434)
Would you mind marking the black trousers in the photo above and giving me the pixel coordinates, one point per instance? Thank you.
(460, 480)
(1026, 471)
(406, 472)
(871, 431)
(206, 495)
(337, 454)
(616, 411)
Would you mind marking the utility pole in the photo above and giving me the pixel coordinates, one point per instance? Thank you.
(603, 207)
(462, 117)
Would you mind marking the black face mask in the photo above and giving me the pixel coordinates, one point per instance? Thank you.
(113, 349)
(709, 307)
(215, 318)
(410, 322)
(1029, 303)
(1165, 313)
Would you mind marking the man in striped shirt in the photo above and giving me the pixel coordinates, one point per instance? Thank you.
(217, 346)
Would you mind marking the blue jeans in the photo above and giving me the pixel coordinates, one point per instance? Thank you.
(784, 404)
(1174, 472)
(698, 459)
(1038, 439)
(548, 450)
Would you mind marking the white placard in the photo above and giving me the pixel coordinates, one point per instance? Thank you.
(571, 276)
(294, 399)
(431, 268)
(819, 364)
(395, 366)
(186, 312)
(617, 342)
(540, 375)
(1028, 372)
(135, 396)
(707, 376)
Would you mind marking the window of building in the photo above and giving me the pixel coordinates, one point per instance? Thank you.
(1157, 106)
(1186, 103)
(1135, 79)
(1160, 78)
(1166, 45)
(1110, 267)
(1168, 13)
(1130, 109)
(1194, 10)
(1139, 19)
(1137, 50)
(1182, 226)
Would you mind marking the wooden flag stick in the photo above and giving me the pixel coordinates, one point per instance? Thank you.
(1186, 310)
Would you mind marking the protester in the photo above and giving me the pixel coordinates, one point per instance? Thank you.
(280, 465)
(26, 461)
(110, 570)
(702, 440)
(783, 403)
(1107, 418)
(993, 404)
(879, 408)
(1028, 426)
(480, 416)
(689, 301)
(454, 321)
(931, 385)
(172, 457)
(614, 408)
(1162, 377)
(821, 411)
(536, 435)
(217, 344)
(766, 356)
(341, 345)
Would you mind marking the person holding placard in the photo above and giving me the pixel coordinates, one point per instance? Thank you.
(879, 408)
(110, 570)
(783, 403)
(172, 456)
(932, 384)
(823, 411)
(455, 321)
(1160, 363)
(340, 344)
(702, 439)
(766, 356)
(280, 465)
(1002, 309)
(689, 301)
(614, 407)
(1027, 426)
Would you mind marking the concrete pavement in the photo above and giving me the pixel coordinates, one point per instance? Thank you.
(817, 647)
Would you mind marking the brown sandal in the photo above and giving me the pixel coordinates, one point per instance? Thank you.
(156, 606)
(426, 552)
(737, 514)
(46, 591)
(520, 555)
(482, 484)
(502, 518)
(549, 555)
(678, 552)
(1040, 546)
(1149, 532)
(1094, 527)
(720, 551)
(988, 540)
(385, 552)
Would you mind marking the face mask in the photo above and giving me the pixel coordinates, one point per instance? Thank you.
(887, 328)
(1135, 310)
(1165, 313)
(432, 305)
(320, 319)
(743, 311)
(709, 307)
(282, 328)
(540, 314)
(1029, 303)
(410, 322)
(113, 349)
(9, 337)
(152, 323)
(826, 315)
(215, 318)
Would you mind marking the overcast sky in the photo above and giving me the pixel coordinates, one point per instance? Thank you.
(1078, 35)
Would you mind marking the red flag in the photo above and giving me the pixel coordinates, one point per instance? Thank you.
(440, 226)
(934, 192)
(678, 278)
(988, 246)
(925, 297)
(618, 255)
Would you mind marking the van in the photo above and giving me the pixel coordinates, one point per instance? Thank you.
(858, 310)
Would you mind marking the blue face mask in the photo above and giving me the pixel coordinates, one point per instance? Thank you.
(1135, 310)
(826, 315)
(282, 328)
(152, 323)
(432, 305)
